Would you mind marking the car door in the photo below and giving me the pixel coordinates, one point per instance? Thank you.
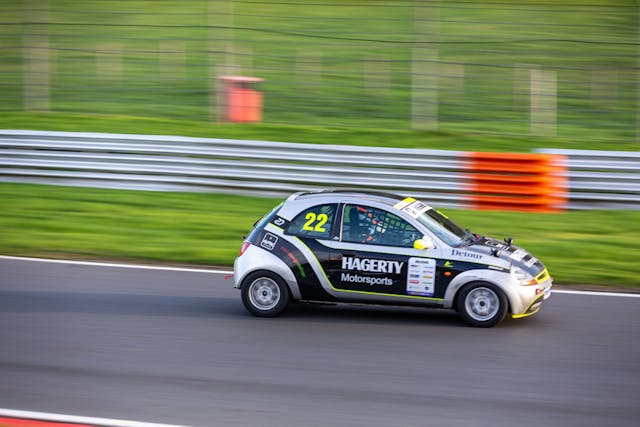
(307, 251)
(375, 255)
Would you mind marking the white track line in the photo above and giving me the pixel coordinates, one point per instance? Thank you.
(207, 271)
(596, 293)
(117, 265)
(61, 418)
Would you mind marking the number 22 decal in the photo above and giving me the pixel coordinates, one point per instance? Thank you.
(319, 221)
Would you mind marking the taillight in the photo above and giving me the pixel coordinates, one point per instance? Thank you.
(244, 247)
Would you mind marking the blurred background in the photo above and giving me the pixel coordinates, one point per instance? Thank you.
(538, 68)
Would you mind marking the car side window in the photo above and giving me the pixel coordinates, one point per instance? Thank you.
(364, 224)
(315, 222)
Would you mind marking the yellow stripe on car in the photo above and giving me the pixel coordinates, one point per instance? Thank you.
(404, 203)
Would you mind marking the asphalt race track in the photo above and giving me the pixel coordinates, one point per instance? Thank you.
(178, 347)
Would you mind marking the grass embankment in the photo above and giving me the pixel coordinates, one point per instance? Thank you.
(71, 122)
(333, 63)
(579, 247)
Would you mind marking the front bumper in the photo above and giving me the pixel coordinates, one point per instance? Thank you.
(532, 298)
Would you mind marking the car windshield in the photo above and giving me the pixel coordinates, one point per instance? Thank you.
(445, 229)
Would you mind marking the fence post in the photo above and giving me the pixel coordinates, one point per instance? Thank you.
(543, 102)
(424, 67)
(36, 84)
(219, 40)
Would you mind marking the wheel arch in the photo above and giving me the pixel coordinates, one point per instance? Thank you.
(256, 259)
(495, 278)
(481, 282)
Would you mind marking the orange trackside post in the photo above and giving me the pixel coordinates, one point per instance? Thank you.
(245, 105)
(515, 181)
(241, 102)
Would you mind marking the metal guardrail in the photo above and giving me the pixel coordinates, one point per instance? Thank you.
(173, 163)
(602, 179)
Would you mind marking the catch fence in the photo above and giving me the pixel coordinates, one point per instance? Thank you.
(540, 68)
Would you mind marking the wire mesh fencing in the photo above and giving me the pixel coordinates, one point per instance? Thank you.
(509, 67)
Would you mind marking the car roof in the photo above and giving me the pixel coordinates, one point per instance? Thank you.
(351, 195)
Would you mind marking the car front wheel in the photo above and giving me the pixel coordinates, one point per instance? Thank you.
(264, 294)
(482, 304)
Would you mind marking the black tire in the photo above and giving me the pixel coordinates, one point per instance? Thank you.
(265, 294)
(482, 304)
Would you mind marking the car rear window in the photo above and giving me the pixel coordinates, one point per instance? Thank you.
(261, 223)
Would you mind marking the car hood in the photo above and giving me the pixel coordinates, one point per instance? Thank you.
(509, 254)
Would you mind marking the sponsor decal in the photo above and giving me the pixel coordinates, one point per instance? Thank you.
(372, 265)
(424, 269)
(279, 221)
(295, 260)
(466, 254)
(411, 206)
(448, 264)
(354, 278)
(416, 209)
(269, 241)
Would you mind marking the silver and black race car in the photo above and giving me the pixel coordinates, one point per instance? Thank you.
(378, 248)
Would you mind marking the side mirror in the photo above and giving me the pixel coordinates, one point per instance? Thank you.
(424, 243)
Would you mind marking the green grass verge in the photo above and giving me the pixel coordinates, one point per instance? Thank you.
(595, 247)
(71, 122)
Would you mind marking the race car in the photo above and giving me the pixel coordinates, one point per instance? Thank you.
(379, 248)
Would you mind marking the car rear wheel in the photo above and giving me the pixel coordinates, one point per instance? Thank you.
(482, 304)
(265, 294)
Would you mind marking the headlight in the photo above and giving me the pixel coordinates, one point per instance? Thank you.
(523, 277)
(526, 279)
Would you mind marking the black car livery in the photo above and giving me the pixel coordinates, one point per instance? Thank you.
(383, 249)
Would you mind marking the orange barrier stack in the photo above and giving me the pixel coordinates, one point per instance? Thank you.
(517, 182)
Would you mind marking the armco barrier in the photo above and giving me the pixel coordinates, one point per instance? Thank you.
(198, 164)
(530, 182)
(602, 179)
